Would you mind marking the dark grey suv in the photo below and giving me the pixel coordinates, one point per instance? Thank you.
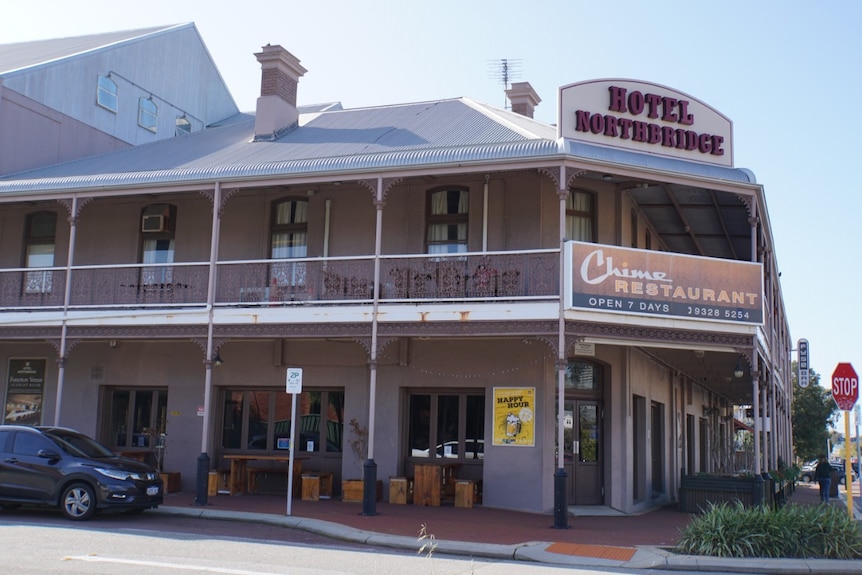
(58, 467)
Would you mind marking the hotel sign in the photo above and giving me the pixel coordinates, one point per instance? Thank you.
(645, 118)
(643, 282)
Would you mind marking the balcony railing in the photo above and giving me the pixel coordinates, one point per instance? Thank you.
(463, 277)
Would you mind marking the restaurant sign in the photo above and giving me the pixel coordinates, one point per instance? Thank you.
(647, 118)
(644, 282)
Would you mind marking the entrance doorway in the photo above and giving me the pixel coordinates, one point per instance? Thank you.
(583, 451)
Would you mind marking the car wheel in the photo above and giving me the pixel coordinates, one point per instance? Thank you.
(841, 481)
(78, 502)
(806, 479)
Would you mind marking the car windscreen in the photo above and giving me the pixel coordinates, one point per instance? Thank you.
(77, 444)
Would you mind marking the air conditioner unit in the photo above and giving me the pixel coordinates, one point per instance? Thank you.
(153, 223)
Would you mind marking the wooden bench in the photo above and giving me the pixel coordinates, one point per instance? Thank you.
(316, 485)
(252, 474)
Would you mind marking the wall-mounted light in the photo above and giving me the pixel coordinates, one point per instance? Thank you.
(738, 371)
(607, 177)
(113, 343)
(217, 360)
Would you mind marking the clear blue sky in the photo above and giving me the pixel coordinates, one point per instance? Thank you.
(785, 72)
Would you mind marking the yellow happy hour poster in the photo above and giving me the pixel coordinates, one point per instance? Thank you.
(514, 408)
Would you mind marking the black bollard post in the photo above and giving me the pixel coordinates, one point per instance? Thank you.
(201, 491)
(757, 495)
(561, 511)
(369, 488)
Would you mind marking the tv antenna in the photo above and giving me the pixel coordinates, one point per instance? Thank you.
(505, 70)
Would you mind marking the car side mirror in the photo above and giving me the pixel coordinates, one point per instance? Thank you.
(48, 454)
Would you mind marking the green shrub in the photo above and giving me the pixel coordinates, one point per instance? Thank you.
(792, 531)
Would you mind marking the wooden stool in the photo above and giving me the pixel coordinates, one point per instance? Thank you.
(398, 490)
(212, 483)
(316, 485)
(464, 492)
(310, 487)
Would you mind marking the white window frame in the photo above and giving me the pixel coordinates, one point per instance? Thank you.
(106, 93)
(148, 113)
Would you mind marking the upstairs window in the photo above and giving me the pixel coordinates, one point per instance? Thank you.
(448, 216)
(289, 239)
(147, 114)
(290, 229)
(183, 126)
(106, 94)
(39, 243)
(581, 216)
(157, 244)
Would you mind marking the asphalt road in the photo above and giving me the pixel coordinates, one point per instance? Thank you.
(43, 543)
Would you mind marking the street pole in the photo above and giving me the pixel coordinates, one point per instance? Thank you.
(858, 411)
(848, 469)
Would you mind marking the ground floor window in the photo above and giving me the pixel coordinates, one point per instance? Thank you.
(258, 420)
(452, 421)
(136, 418)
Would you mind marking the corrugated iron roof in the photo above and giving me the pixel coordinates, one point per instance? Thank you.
(379, 138)
(22, 55)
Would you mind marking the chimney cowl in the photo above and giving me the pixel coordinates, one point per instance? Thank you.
(276, 106)
(523, 98)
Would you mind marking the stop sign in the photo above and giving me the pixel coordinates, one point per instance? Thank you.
(845, 386)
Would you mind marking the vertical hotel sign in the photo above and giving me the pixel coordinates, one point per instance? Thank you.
(644, 282)
(645, 117)
(24, 390)
(514, 423)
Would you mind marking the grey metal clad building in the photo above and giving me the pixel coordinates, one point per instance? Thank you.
(92, 94)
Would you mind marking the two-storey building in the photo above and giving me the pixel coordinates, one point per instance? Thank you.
(578, 305)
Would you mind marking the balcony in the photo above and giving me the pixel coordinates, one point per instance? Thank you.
(474, 277)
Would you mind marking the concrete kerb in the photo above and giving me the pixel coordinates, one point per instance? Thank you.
(645, 557)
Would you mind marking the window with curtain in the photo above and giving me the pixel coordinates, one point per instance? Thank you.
(157, 244)
(447, 219)
(581, 216)
(39, 251)
(289, 239)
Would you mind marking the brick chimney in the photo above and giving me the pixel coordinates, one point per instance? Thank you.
(523, 98)
(276, 106)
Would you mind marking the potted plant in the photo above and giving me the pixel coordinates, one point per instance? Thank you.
(170, 479)
(357, 441)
